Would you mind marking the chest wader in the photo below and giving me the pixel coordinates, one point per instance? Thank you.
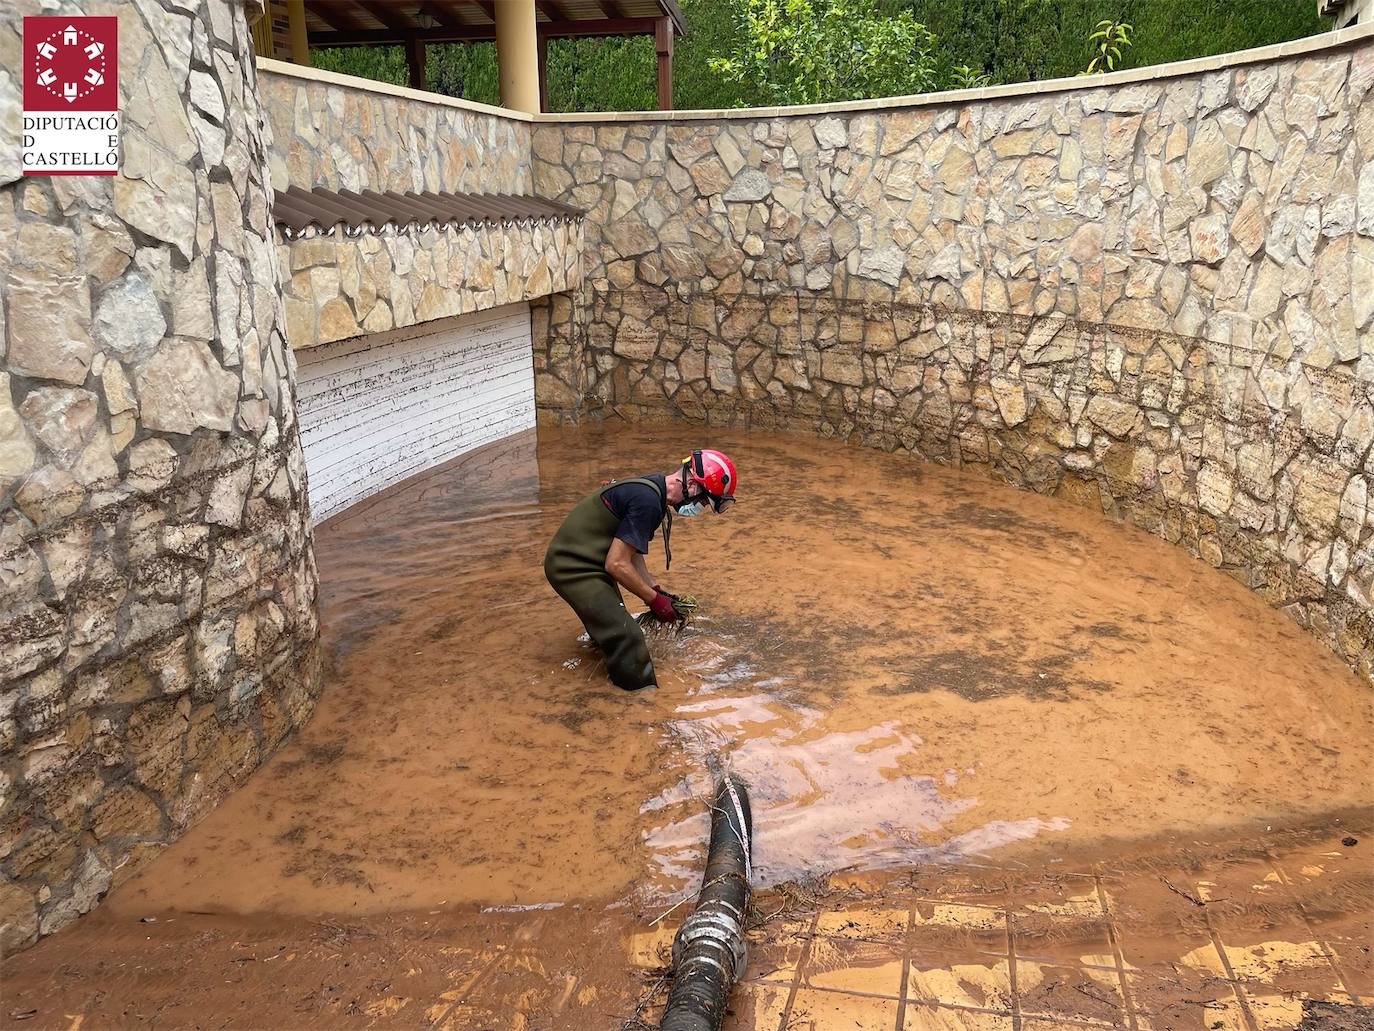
(575, 566)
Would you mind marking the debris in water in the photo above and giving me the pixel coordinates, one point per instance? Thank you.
(686, 604)
(1349, 841)
(1179, 891)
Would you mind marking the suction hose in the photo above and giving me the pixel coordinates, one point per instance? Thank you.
(709, 949)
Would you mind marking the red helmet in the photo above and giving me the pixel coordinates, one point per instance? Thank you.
(714, 473)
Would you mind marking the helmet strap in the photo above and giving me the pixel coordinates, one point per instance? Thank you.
(687, 496)
(668, 539)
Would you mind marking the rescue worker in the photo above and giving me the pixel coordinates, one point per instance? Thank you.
(601, 547)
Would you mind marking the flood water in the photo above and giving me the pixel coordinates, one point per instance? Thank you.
(906, 663)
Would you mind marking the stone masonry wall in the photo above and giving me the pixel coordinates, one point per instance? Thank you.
(341, 287)
(157, 622)
(1150, 295)
(330, 132)
(343, 133)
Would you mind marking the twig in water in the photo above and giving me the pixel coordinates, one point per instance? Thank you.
(635, 1022)
(1092, 993)
(669, 910)
(1179, 891)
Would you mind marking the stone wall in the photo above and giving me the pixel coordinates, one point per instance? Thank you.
(345, 133)
(342, 287)
(349, 134)
(157, 629)
(1151, 293)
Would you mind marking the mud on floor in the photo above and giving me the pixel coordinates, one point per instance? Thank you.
(1275, 934)
(912, 667)
(905, 662)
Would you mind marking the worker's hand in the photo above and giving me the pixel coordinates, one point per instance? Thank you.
(663, 609)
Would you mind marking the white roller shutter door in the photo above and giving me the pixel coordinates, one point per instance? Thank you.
(377, 409)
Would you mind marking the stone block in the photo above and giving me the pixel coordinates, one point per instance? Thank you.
(49, 322)
(1112, 414)
(1010, 398)
(126, 812)
(156, 741)
(17, 450)
(182, 388)
(1210, 238)
(18, 917)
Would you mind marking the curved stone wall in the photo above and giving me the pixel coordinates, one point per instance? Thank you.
(346, 133)
(1149, 294)
(157, 629)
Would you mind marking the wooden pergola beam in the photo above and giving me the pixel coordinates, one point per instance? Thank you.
(663, 49)
(415, 62)
(387, 15)
(478, 33)
(543, 45)
(414, 26)
(444, 14)
(395, 21)
(296, 29)
(337, 14)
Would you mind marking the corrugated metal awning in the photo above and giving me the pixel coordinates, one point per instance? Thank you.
(305, 212)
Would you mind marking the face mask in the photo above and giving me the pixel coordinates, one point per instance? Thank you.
(688, 508)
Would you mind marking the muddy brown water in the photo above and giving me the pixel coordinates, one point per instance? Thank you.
(906, 663)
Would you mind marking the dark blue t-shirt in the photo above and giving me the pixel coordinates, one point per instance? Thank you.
(639, 508)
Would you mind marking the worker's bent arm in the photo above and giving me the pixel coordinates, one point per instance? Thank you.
(620, 563)
(643, 570)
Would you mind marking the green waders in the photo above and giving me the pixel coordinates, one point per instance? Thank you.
(575, 566)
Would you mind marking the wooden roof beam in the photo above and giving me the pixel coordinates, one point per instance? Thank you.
(337, 14)
(444, 14)
(387, 14)
(477, 33)
(602, 27)
(612, 9)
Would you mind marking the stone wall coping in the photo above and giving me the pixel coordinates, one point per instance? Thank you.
(1322, 42)
(296, 71)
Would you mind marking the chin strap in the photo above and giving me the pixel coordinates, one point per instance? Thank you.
(693, 459)
(667, 537)
(668, 526)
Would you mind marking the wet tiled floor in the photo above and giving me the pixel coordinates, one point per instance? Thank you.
(1233, 945)
(1207, 939)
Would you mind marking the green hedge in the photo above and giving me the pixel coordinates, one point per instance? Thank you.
(1011, 40)
(1026, 40)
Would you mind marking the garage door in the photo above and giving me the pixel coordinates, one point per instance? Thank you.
(377, 409)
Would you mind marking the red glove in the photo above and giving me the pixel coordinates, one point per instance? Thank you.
(663, 609)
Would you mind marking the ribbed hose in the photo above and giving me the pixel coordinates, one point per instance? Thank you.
(709, 950)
